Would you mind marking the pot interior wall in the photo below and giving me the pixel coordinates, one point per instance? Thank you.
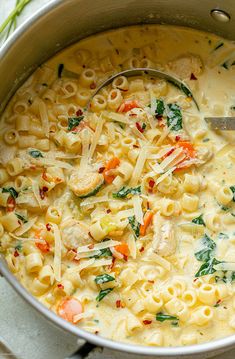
(61, 23)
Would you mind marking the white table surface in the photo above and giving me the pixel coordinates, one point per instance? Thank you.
(22, 329)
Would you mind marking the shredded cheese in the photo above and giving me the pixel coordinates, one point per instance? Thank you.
(26, 227)
(166, 174)
(102, 245)
(137, 204)
(35, 188)
(57, 253)
(44, 117)
(139, 166)
(96, 137)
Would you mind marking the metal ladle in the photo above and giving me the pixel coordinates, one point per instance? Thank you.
(216, 123)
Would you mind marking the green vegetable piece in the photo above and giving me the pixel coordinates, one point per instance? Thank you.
(103, 294)
(160, 108)
(124, 191)
(73, 122)
(105, 252)
(207, 267)
(199, 220)
(161, 317)
(225, 65)
(10, 190)
(223, 236)
(35, 153)
(21, 218)
(60, 70)
(134, 225)
(205, 254)
(233, 190)
(19, 247)
(104, 278)
(93, 192)
(174, 117)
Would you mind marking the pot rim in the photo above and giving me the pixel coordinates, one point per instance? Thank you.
(203, 348)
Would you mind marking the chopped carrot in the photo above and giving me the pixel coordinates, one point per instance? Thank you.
(123, 249)
(147, 220)
(128, 105)
(111, 164)
(44, 247)
(38, 234)
(187, 148)
(69, 308)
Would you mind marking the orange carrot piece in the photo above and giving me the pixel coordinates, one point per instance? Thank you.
(123, 249)
(111, 164)
(187, 148)
(44, 247)
(128, 105)
(147, 220)
(69, 308)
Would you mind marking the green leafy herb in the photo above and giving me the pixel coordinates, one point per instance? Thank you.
(199, 220)
(160, 108)
(161, 317)
(124, 191)
(103, 294)
(35, 153)
(206, 139)
(104, 278)
(207, 267)
(19, 247)
(205, 254)
(22, 218)
(134, 225)
(223, 236)
(225, 65)
(218, 46)
(224, 208)
(60, 70)
(12, 18)
(74, 122)
(233, 190)
(174, 117)
(10, 190)
(105, 252)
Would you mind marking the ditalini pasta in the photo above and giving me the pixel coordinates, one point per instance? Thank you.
(120, 217)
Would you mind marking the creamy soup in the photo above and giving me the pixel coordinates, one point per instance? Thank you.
(120, 216)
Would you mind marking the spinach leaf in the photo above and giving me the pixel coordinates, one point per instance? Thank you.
(134, 225)
(21, 218)
(207, 267)
(74, 122)
(35, 153)
(105, 252)
(104, 278)
(161, 317)
(160, 108)
(204, 254)
(10, 190)
(60, 70)
(199, 220)
(174, 117)
(124, 191)
(18, 247)
(103, 294)
(233, 190)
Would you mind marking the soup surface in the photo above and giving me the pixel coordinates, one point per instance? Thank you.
(121, 217)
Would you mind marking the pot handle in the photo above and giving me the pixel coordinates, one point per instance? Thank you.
(83, 351)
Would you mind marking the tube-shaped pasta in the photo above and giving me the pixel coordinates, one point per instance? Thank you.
(191, 183)
(98, 103)
(114, 99)
(3, 176)
(53, 215)
(46, 275)
(153, 303)
(10, 222)
(189, 202)
(190, 297)
(82, 97)
(22, 123)
(11, 137)
(212, 221)
(206, 294)
(121, 83)
(87, 77)
(224, 195)
(202, 315)
(33, 262)
(167, 207)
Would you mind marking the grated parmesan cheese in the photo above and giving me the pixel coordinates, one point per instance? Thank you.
(139, 166)
(102, 245)
(57, 253)
(137, 204)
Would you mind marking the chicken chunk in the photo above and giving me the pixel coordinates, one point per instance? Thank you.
(164, 242)
(75, 234)
(186, 65)
(86, 185)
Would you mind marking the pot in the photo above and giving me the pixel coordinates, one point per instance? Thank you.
(60, 23)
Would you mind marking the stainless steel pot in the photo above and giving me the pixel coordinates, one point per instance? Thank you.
(62, 22)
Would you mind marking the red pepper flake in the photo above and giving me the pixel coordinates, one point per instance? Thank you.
(169, 152)
(118, 303)
(108, 211)
(92, 85)
(195, 279)
(151, 183)
(44, 247)
(147, 322)
(139, 127)
(96, 332)
(159, 117)
(44, 176)
(60, 286)
(11, 204)
(193, 77)
(16, 253)
(151, 281)
(113, 263)
(48, 227)
(91, 246)
(79, 112)
(45, 189)
(141, 249)
(125, 258)
(177, 138)
(148, 205)
(101, 169)
(132, 114)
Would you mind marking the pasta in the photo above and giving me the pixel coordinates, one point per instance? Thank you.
(118, 215)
